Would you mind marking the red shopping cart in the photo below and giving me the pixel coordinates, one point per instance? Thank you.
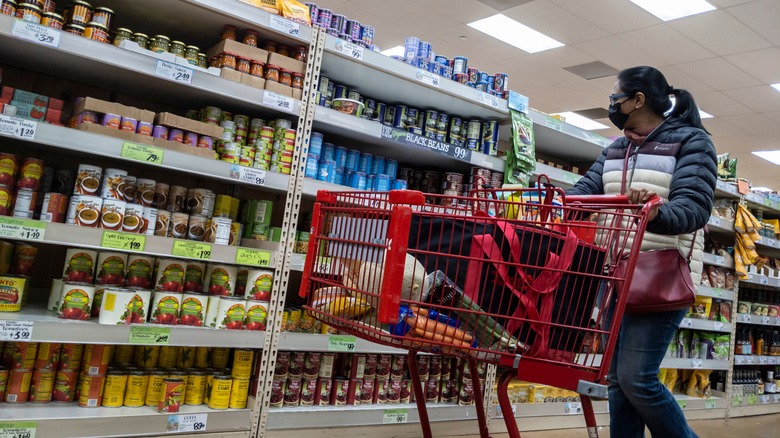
(522, 279)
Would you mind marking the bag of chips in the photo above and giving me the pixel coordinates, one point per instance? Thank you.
(296, 11)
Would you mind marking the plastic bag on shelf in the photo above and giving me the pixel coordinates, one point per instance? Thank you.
(521, 159)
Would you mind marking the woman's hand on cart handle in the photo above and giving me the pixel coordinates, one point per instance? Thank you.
(648, 197)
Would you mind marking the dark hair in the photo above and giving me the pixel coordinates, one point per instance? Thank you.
(652, 83)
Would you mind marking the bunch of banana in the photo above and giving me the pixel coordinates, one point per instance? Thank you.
(746, 227)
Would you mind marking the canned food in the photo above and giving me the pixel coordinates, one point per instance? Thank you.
(256, 315)
(23, 260)
(12, 290)
(171, 401)
(79, 265)
(239, 393)
(24, 204)
(220, 280)
(114, 389)
(20, 355)
(71, 356)
(193, 276)
(201, 357)
(219, 396)
(76, 300)
(196, 228)
(200, 202)
(193, 308)
(196, 388)
(135, 392)
(48, 356)
(242, 364)
(18, 388)
(121, 306)
(155, 389)
(178, 228)
(165, 307)
(134, 217)
(147, 356)
(161, 195)
(96, 32)
(6, 201)
(167, 358)
(170, 275)
(123, 354)
(85, 211)
(96, 359)
(162, 223)
(139, 271)
(230, 314)
(55, 207)
(111, 268)
(219, 357)
(185, 357)
(65, 382)
(91, 390)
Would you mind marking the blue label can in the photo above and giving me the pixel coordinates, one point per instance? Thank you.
(355, 30)
(411, 47)
(501, 83)
(361, 179)
(340, 92)
(441, 126)
(490, 131)
(391, 168)
(312, 166)
(382, 183)
(338, 23)
(481, 86)
(364, 165)
(473, 144)
(368, 35)
(400, 184)
(315, 144)
(431, 123)
(370, 182)
(389, 119)
(490, 148)
(314, 13)
(491, 83)
(424, 50)
(369, 112)
(325, 18)
(378, 165)
(353, 159)
(460, 65)
(328, 152)
(379, 113)
(442, 60)
(455, 133)
(400, 117)
(338, 177)
(482, 77)
(326, 171)
(412, 120)
(340, 157)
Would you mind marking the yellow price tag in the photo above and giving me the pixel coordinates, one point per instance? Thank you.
(193, 250)
(123, 241)
(142, 152)
(252, 257)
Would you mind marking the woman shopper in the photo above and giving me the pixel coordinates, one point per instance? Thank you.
(672, 157)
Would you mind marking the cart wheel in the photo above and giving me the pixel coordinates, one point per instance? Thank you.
(419, 395)
(479, 401)
(506, 405)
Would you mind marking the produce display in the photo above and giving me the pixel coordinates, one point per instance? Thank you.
(94, 375)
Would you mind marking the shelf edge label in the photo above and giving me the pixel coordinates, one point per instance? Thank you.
(248, 175)
(285, 26)
(16, 331)
(123, 241)
(395, 416)
(174, 72)
(149, 335)
(342, 344)
(253, 257)
(407, 138)
(36, 33)
(349, 49)
(18, 429)
(191, 249)
(27, 229)
(187, 423)
(17, 127)
(143, 153)
(488, 99)
(572, 408)
(277, 101)
(518, 102)
(428, 78)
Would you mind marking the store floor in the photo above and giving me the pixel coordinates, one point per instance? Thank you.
(761, 426)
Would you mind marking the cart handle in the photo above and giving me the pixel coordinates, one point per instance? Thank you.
(612, 200)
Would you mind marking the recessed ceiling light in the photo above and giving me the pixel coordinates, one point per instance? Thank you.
(771, 156)
(516, 34)
(673, 9)
(776, 86)
(579, 121)
(394, 51)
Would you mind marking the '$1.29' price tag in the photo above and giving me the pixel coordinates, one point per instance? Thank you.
(16, 127)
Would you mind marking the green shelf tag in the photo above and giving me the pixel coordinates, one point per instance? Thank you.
(709, 404)
(150, 335)
(123, 241)
(142, 152)
(253, 257)
(342, 344)
(27, 229)
(193, 250)
(683, 404)
(18, 429)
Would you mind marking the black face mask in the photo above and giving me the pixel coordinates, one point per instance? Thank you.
(617, 117)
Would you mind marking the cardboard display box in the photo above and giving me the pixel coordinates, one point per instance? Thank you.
(185, 124)
(103, 107)
(239, 49)
(243, 78)
(184, 148)
(143, 139)
(278, 88)
(286, 63)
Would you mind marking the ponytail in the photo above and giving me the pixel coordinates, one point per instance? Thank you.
(686, 109)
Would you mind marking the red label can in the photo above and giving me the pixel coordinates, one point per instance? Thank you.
(9, 166)
(55, 208)
(171, 400)
(30, 174)
(20, 355)
(48, 356)
(6, 200)
(3, 381)
(42, 386)
(65, 386)
(91, 390)
(71, 356)
(96, 359)
(18, 390)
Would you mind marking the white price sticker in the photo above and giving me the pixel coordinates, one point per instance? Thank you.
(16, 330)
(395, 416)
(715, 221)
(776, 398)
(717, 325)
(174, 72)
(764, 399)
(18, 429)
(248, 175)
(696, 364)
(488, 99)
(747, 317)
(428, 78)
(739, 360)
(717, 292)
(285, 26)
(350, 49)
(36, 33)
(765, 320)
(762, 279)
(16, 127)
(762, 360)
(686, 322)
(277, 101)
(187, 423)
(771, 360)
(572, 408)
(750, 360)
(720, 260)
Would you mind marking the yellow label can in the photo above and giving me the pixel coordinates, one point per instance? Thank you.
(135, 394)
(149, 356)
(219, 357)
(114, 389)
(167, 357)
(202, 357)
(242, 364)
(219, 398)
(239, 392)
(155, 388)
(185, 357)
(196, 388)
(123, 354)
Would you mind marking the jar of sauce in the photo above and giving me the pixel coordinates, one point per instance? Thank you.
(28, 12)
(244, 65)
(53, 20)
(285, 77)
(75, 29)
(103, 16)
(297, 81)
(283, 50)
(203, 60)
(121, 35)
(178, 48)
(160, 44)
(301, 53)
(272, 73)
(96, 32)
(257, 69)
(229, 60)
(80, 13)
(251, 38)
(269, 46)
(141, 39)
(229, 33)
(191, 54)
(8, 7)
(49, 6)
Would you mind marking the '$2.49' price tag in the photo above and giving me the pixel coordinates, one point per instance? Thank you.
(173, 72)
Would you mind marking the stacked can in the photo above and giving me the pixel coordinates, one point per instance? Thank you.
(256, 217)
(283, 146)
(451, 185)
(264, 148)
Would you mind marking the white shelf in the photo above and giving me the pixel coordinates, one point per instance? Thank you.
(756, 405)
(715, 292)
(566, 141)
(311, 342)
(726, 190)
(363, 415)
(762, 280)
(72, 421)
(85, 237)
(745, 318)
(720, 226)
(73, 140)
(767, 243)
(717, 260)
(48, 328)
(716, 401)
(768, 206)
(706, 324)
(557, 176)
(756, 360)
(692, 364)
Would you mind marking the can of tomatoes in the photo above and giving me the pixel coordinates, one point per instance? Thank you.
(196, 388)
(42, 386)
(48, 356)
(171, 400)
(135, 394)
(239, 392)
(96, 359)
(18, 388)
(155, 387)
(71, 356)
(30, 174)
(219, 397)
(65, 386)
(167, 357)
(114, 390)
(4, 382)
(20, 355)
(90, 390)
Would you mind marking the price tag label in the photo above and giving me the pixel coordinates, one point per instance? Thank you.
(764, 280)
(16, 127)
(193, 250)
(572, 408)
(720, 260)
(26, 229)
(187, 423)
(36, 33)
(285, 26)
(428, 78)
(395, 416)
(488, 99)
(342, 344)
(150, 335)
(772, 360)
(764, 399)
(16, 330)
(717, 292)
(762, 360)
(553, 124)
(752, 399)
(174, 72)
(765, 320)
(747, 317)
(683, 404)
(143, 153)
(717, 325)
(776, 398)
(518, 102)
(767, 202)
(248, 175)
(277, 101)
(18, 429)
(750, 360)
(696, 364)
(752, 197)
(252, 257)
(709, 404)
(715, 221)
(123, 241)
(322, 265)
(351, 50)
(739, 360)
(686, 322)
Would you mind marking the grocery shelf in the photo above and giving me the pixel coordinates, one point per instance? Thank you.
(715, 292)
(71, 421)
(311, 342)
(717, 260)
(566, 141)
(757, 320)
(768, 206)
(756, 405)
(724, 189)
(48, 328)
(756, 360)
(364, 415)
(86, 237)
(131, 72)
(720, 225)
(692, 364)
(557, 176)
(553, 409)
(762, 280)
(767, 244)
(716, 401)
(73, 140)
(706, 324)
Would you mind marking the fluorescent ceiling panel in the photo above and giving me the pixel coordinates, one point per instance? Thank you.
(771, 156)
(394, 51)
(668, 10)
(579, 121)
(776, 86)
(514, 33)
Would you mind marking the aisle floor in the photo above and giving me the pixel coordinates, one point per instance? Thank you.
(762, 426)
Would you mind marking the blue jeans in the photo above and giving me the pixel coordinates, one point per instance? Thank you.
(636, 397)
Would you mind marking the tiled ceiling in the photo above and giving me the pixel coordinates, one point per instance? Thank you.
(727, 57)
